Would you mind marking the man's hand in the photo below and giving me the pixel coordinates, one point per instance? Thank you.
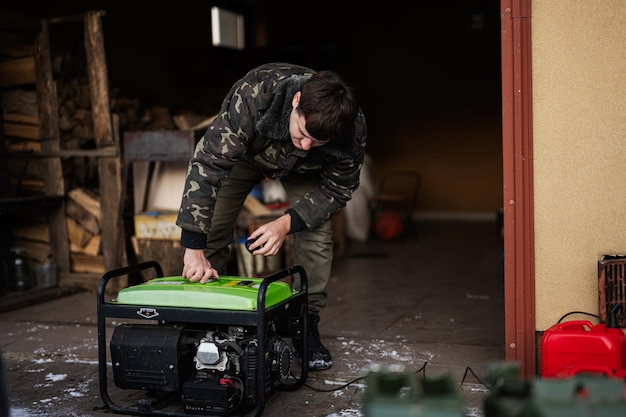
(196, 267)
(270, 236)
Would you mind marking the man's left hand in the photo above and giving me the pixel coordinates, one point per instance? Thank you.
(270, 236)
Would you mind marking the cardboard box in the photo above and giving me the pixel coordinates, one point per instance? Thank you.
(157, 225)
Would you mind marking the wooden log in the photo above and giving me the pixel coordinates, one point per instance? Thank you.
(83, 98)
(66, 121)
(92, 247)
(83, 132)
(87, 200)
(82, 216)
(20, 101)
(35, 232)
(78, 235)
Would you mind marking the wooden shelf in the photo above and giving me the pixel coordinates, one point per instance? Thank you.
(30, 67)
(12, 205)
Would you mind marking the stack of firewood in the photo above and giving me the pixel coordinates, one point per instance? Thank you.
(27, 173)
(83, 228)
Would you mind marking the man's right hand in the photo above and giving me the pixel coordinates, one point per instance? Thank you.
(196, 267)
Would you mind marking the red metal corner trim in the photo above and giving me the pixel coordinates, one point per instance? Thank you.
(519, 268)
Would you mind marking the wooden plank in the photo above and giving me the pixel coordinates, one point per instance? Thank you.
(48, 110)
(21, 118)
(20, 130)
(109, 168)
(32, 183)
(19, 71)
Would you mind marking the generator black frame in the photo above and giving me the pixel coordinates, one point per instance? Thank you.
(295, 307)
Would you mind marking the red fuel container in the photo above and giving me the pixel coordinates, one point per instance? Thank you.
(579, 346)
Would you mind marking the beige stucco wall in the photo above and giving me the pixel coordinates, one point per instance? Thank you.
(579, 149)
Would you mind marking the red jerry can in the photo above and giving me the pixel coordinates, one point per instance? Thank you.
(579, 346)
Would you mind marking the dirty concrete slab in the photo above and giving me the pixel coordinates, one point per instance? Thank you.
(417, 306)
(52, 370)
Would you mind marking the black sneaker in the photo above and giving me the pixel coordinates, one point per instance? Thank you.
(319, 357)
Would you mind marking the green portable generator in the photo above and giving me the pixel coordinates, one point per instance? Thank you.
(215, 349)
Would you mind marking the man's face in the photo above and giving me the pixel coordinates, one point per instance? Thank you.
(297, 128)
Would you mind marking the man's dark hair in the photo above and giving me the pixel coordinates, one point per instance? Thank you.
(328, 105)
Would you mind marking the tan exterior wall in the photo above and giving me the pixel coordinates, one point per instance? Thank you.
(579, 149)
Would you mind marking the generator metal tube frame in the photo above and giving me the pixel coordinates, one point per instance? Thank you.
(105, 309)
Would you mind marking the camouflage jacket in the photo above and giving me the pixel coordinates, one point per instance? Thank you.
(253, 123)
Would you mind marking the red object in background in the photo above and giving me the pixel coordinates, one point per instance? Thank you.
(277, 206)
(579, 346)
(388, 225)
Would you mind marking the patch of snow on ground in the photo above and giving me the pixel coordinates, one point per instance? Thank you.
(350, 412)
(55, 377)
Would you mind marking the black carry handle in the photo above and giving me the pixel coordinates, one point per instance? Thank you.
(127, 270)
(148, 409)
(292, 270)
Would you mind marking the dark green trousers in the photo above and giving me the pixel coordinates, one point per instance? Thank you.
(313, 248)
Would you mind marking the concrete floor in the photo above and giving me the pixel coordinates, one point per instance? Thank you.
(433, 304)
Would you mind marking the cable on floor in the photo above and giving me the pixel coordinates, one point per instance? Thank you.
(469, 370)
(340, 387)
(347, 384)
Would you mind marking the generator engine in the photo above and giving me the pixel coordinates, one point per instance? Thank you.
(214, 370)
(214, 349)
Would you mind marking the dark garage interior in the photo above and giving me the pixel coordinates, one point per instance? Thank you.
(428, 77)
(412, 66)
